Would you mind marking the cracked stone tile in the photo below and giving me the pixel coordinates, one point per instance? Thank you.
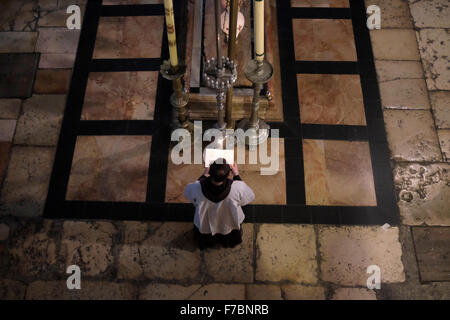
(434, 47)
(394, 44)
(56, 60)
(394, 13)
(136, 231)
(404, 94)
(52, 81)
(263, 292)
(57, 40)
(219, 291)
(354, 294)
(88, 245)
(430, 13)
(168, 253)
(423, 192)
(10, 108)
(162, 291)
(286, 252)
(299, 292)
(4, 232)
(411, 135)
(32, 251)
(40, 121)
(15, 42)
(12, 290)
(346, 252)
(444, 140)
(90, 290)
(31, 165)
(7, 128)
(440, 102)
(232, 265)
(393, 70)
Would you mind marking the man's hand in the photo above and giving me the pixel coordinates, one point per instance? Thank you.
(234, 170)
(206, 172)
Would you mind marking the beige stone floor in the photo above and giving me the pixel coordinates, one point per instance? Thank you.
(155, 260)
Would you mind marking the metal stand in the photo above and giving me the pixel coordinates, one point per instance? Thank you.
(258, 73)
(179, 98)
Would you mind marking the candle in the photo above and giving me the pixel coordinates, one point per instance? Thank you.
(170, 24)
(259, 30)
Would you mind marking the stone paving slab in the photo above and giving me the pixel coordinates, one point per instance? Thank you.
(433, 253)
(162, 291)
(218, 291)
(57, 40)
(423, 192)
(12, 290)
(434, 46)
(346, 252)
(394, 13)
(10, 108)
(444, 141)
(30, 165)
(52, 81)
(393, 70)
(40, 121)
(18, 42)
(440, 102)
(299, 292)
(430, 13)
(286, 252)
(354, 294)
(263, 292)
(404, 94)
(56, 60)
(394, 44)
(17, 72)
(7, 128)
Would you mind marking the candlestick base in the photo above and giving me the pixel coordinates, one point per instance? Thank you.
(255, 134)
(258, 72)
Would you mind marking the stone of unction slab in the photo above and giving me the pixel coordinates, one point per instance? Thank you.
(12, 290)
(404, 94)
(41, 120)
(263, 292)
(57, 40)
(232, 265)
(423, 192)
(50, 81)
(433, 253)
(162, 291)
(347, 252)
(4, 232)
(440, 102)
(17, 73)
(444, 141)
(434, 46)
(394, 44)
(430, 13)
(218, 291)
(354, 294)
(33, 165)
(286, 252)
(10, 108)
(299, 292)
(88, 245)
(391, 70)
(17, 42)
(411, 135)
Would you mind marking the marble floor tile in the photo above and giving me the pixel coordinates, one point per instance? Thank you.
(440, 103)
(26, 183)
(120, 96)
(101, 163)
(338, 173)
(434, 46)
(394, 44)
(129, 37)
(444, 141)
(15, 42)
(268, 189)
(7, 129)
(388, 70)
(10, 108)
(404, 94)
(17, 73)
(320, 3)
(411, 135)
(430, 13)
(346, 252)
(324, 40)
(331, 99)
(394, 13)
(57, 40)
(286, 252)
(40, 121)
(423, 191)
(52, 81)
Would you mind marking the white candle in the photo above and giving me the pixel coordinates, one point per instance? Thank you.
(170, 25)
(259, 30)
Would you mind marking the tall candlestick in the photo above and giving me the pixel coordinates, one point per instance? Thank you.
(259, 30)
(170, 24)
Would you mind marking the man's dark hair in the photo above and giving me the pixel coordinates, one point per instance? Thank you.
(219, 170)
